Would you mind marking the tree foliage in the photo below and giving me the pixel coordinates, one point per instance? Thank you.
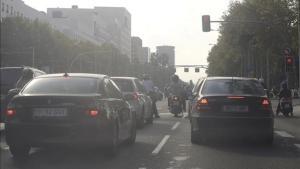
(256, 34)
(32, 43)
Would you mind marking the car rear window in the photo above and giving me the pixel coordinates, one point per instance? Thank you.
(233, 87)
(62, 85)
(125, 85)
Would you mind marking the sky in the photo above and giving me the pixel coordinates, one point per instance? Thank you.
(163, 22)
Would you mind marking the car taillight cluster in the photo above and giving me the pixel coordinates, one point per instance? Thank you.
(202, 104)
(175, 98)
(266, 103)
(10, 112)
(93, 112)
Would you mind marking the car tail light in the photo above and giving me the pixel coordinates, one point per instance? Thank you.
(93, 112)
(265, 102)
(175, 98)
(203, 101)
(10, 112)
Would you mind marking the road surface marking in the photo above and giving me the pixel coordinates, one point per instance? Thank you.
(142, 168)
(2, 127)
(160, 145)
(184, 115)
(297, 145)
(284, 134)
(176, 125)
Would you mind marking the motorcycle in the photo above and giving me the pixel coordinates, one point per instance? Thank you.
(175, 105)
(285, 107)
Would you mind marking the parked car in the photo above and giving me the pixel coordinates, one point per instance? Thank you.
(142, 103)
(69, 110)
(231, 107)
(9, 78)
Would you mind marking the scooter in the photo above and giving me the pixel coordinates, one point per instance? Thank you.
(286, 107)
(175, 105)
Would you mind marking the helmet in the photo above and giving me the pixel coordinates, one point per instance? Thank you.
(174, 78)
(146, 77)
(27, 73)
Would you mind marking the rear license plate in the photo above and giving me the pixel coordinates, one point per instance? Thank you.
(49, 112)
(235, 108)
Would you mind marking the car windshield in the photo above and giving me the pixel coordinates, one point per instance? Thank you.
(62, 85)
(125, 85)
(232, 87)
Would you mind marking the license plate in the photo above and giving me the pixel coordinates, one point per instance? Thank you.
(235, 108)
(49, 112)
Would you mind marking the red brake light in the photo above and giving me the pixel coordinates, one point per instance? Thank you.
(10, 112)
(235, 97)
(203, 101)
(265, 102)
(93, 113)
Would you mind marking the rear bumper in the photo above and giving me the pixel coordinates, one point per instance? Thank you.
(233, 126)
(55, 135)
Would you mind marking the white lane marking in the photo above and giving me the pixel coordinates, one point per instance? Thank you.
(142, 168)
(160, 145)
(2, 126)
(297, 145)
(284, 134)
(176, 125)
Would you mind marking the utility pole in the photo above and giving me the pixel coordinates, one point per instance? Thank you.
(299, 41)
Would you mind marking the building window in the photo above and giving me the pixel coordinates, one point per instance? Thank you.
(57, 14)
(11, 10)
(18, 14)
(7, 9)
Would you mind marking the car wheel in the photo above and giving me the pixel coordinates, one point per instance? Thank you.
(132, 134)
(113, 147)
(195, 137)
(20, 152)
(141, 121)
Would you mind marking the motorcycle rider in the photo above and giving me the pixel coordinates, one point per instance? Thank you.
(285, 92)
(149, 87)
(177, 89)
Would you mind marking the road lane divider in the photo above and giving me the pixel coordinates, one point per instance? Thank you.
(175, 125)
(160, 145)
(284, 134)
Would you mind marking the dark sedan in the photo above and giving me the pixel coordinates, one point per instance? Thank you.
(69, 110)
(231, 107)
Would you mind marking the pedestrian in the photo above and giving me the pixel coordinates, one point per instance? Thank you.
(149, 87)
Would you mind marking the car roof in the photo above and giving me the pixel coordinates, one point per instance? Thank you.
(22, 67)
(101, 76)
(127, 78)
(225, 78)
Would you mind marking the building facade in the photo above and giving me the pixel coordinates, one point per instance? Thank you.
(136, 50)
(99, 25)
(146, 54)
(166, 55)
(17, 8)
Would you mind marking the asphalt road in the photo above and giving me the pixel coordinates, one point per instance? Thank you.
(166, 145)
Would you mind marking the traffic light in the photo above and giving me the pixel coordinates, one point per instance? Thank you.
(205, 23)
(186, 69)
(289, 64)
(197, 70)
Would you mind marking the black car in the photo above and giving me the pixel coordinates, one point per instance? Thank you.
(69, 109)
(231, 107)
(9, 78)
(142, 103)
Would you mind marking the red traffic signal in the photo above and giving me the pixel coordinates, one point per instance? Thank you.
(205, 23)
(289, 64)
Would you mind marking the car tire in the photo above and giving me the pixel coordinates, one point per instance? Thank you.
(195, 137)
(20, 152)
(141, 121)
(132, 134)
(113, 147)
